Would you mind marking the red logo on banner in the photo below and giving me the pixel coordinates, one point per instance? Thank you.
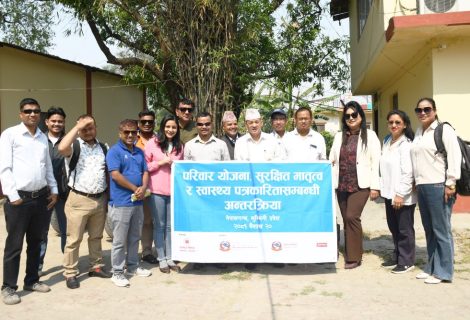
(276, 246)
(224, 246)
(322, 244)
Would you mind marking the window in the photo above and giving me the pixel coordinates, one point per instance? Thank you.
(363, 8)
(395, 101)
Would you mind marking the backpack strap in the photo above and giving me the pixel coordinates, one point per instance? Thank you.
(74, 160)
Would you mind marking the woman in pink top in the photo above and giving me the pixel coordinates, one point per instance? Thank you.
(160, 153)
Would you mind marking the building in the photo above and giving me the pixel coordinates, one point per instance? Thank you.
(402, 50)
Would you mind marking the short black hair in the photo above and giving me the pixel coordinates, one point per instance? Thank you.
(83, 116)
(303, 109)
(203, 114)
(187, 102)
(146, 112)
(26, 101)
(127, 123)
(55, 110)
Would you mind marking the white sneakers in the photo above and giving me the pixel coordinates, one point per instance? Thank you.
(120, 280)
(422, 275)
(429, 279)
(140, 272)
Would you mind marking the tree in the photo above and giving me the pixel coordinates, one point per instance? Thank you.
(27, 23)
(212, 51)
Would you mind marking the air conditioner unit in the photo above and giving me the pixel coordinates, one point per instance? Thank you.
(442, 6)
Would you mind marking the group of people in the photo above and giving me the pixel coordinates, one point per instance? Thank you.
(71, 172)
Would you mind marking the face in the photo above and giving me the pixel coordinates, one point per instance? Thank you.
(254, 126)
(425, 113)
(303, 121)
(128, 135)
(204, 127)
(184, 112)
(278, 122)
(88, 134)
(230, 128)
(353, 119)
(30, 115)
(396, 126)
(147, 124)
(55, 124)
(170, 129)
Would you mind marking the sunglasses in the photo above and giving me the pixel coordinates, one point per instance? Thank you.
(396, 122)
(29, 111)
(426, 110)
(200, 124)
(128, 132)
(353, 115)
(184, 110)
(146, 122)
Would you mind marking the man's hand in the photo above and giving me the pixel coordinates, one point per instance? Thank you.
(17, 202)
(374, 194)
(139, 193)
(52, 199)
(397, 202)
(448, 193)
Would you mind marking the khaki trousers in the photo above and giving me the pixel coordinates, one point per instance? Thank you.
(147, 230)
(84, 213)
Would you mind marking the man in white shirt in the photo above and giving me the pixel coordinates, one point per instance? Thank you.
(278, 123)
(257, 145)
(231, 134)
(28, 182)
(304, 144)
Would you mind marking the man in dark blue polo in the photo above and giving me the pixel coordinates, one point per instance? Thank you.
(128, 185)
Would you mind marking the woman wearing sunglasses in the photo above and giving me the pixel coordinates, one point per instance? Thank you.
(160, 152)
(396, 187)
(435, 181)
(355, 156)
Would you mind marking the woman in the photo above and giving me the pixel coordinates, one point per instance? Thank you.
(160, 152)
(355, 156)
(435, 182)
(396, 187)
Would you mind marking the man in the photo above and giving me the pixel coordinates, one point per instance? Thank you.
(184, 113)
(146, 132)
(28, 182)
(304, 144)
(55, 123)
(278, 123)
(128, 183)
(231, 134)
(205, 147)
(85, 207)
(257, 145)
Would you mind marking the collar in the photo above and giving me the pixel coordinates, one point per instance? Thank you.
(211, 139)
(123, 146)
(309, 134)
(262, 137)
(24, 130)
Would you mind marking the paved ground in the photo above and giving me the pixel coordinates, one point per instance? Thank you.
(313, 291)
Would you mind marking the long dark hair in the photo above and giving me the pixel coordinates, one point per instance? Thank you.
(408, 131)
(163, 140)
(357, 108)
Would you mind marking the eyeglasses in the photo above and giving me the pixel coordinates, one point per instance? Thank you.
(426, 110)
(206, 124)
(396, 122)
(29, 111)
(128, 132)
(147, 122)
(353, 115)
(184, 110)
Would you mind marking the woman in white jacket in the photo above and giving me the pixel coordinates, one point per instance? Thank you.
(355, 156)
(396, 187)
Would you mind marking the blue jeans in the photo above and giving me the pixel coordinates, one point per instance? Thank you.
(62, 221)
(435, 216)
(161, 213)
(127, 229)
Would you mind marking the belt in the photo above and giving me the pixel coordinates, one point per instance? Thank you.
(88, 195)
(33, 194)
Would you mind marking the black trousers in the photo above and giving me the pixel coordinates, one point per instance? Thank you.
(401, 225)
(28, 218)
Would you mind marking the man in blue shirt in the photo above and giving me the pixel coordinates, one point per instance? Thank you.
(128, 183)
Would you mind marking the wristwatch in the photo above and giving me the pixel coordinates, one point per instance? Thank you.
(452, 187)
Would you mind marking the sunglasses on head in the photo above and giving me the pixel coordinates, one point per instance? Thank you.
(353, 115)
(146, 122)
(206, 124)
(426, 110)
(29, 111)
(396, 122)
(184, 110)
(128, 132)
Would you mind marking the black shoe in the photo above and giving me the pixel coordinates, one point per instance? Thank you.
(100, 273)
(388, 264)
(402, 269)
(72, 283)
(250, 266)
(150, 259)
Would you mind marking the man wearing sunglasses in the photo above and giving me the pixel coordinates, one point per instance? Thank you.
(28, 182)
(184, 112)
(146, 132)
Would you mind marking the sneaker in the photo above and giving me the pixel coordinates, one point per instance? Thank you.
(120, 280)
(140, 272)
(422, 275)
(389, 264)
(37, 287)
(10, 296)
(402, 269)
(432, 280)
